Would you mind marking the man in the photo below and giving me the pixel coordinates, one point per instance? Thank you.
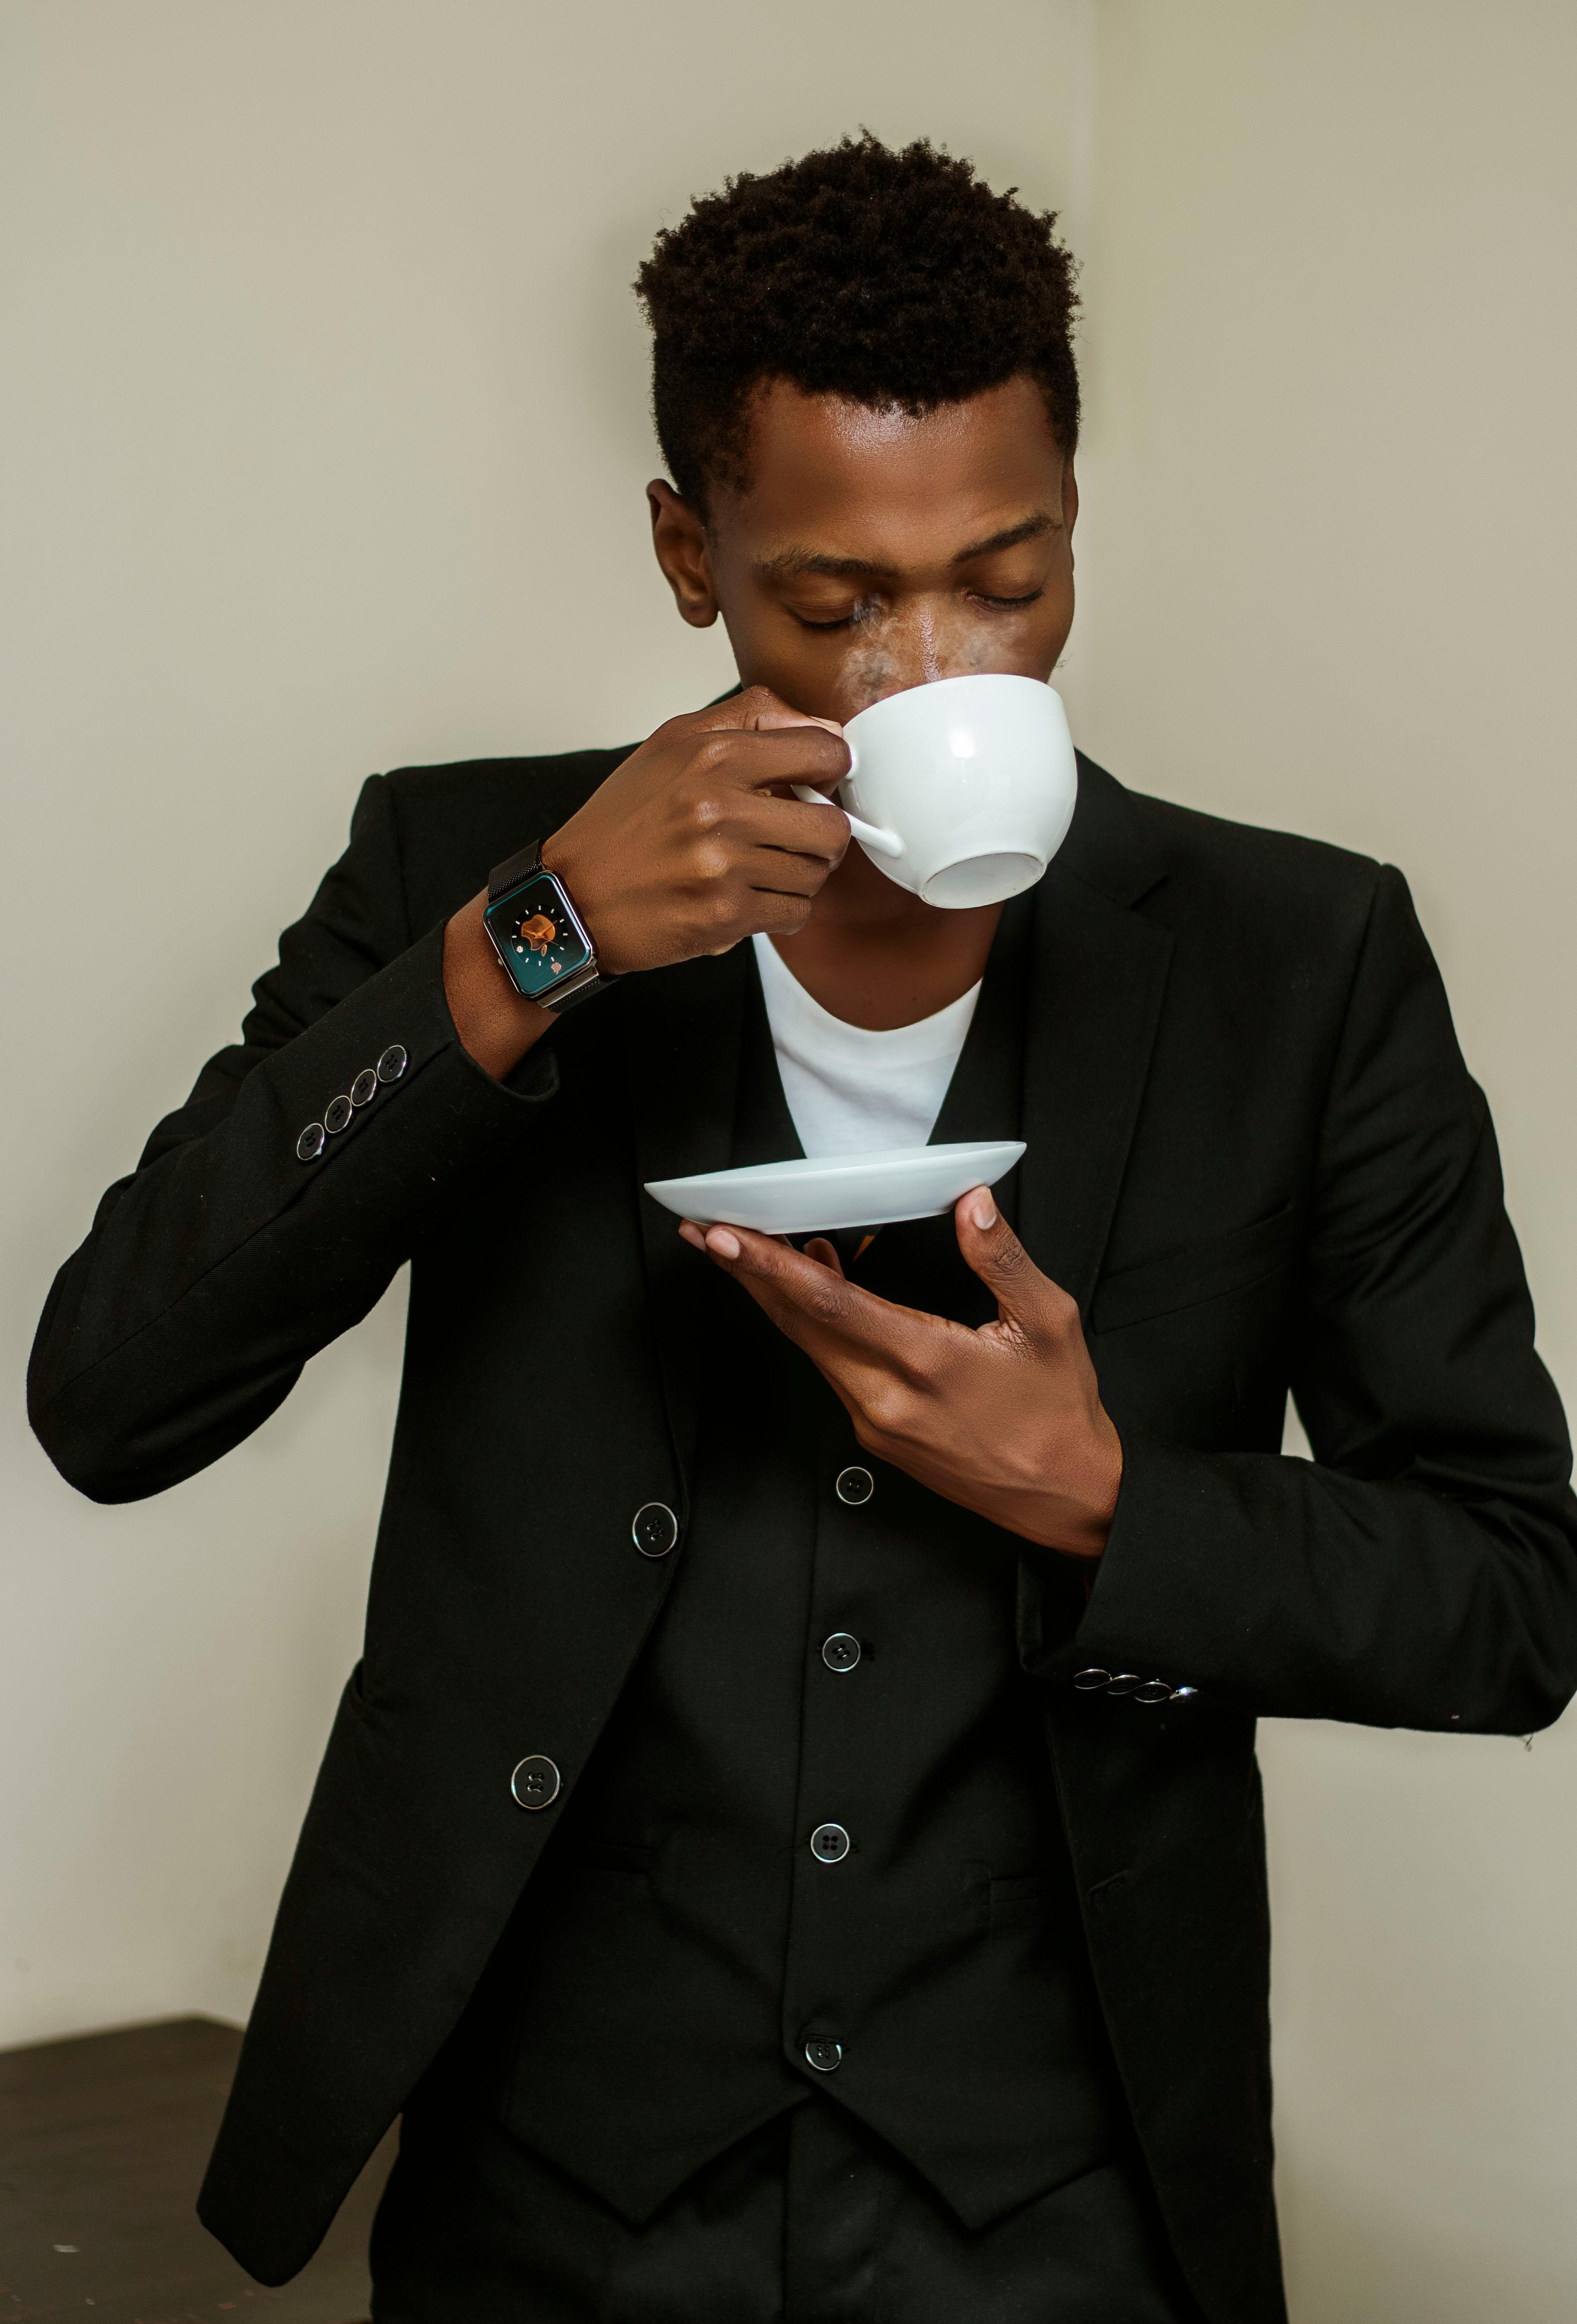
(793, 1844)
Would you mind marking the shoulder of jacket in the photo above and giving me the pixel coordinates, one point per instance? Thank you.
(1213, 847)
(1187, 863)
(562, 779)
(448, 824)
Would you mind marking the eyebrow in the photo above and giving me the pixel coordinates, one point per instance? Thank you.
(791, 562)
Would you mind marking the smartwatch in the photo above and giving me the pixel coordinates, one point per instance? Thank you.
(541, 944)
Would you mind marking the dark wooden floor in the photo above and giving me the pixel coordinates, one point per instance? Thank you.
(103, 2141)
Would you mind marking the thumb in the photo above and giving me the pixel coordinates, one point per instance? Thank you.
(990, 1247)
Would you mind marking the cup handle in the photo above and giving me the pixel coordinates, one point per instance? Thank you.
(869, 834)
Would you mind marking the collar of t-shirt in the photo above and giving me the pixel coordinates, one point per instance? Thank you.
(850, 1091)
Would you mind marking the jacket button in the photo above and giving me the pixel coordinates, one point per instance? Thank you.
(365, 1088)
(1090, 1681)
(535, 1781)
(1124, 1683)
(829, 1843)
(311, 1142)
(854, 1485)
(824, 2053)
(1154, 1689)
(337, 1115)
(654, 1529)
(842, 1651)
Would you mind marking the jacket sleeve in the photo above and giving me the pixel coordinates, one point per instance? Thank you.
(225, 1260)
(1422, 1570)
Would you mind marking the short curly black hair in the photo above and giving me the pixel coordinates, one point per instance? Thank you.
(892, 278)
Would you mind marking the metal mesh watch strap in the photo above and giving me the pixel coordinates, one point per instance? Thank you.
(513, 872)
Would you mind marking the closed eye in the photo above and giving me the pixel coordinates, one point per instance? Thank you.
(982, 597)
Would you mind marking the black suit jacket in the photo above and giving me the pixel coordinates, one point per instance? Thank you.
(1254, 1156)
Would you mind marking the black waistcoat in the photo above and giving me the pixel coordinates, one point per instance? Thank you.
(684, 1956)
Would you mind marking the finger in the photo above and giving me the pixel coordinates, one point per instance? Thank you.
(825, 1253)
(757, 709)
(814, 1304)
(771, 873)
(800, 750)
(854, 1372)
(772, 913)
(691, 1233)
(794, 826)
(989, 1245)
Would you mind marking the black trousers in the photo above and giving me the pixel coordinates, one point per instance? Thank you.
(812, 2220)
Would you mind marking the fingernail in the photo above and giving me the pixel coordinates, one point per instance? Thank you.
(691, 1233)
(984, 1211)
(720, 1240)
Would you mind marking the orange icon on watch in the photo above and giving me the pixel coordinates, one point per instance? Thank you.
(539, 932)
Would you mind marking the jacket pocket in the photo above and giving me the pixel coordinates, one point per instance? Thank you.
(1196, 1272)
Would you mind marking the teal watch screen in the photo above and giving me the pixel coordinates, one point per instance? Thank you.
(537, 936)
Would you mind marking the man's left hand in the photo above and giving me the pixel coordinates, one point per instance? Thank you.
(1005, 1420)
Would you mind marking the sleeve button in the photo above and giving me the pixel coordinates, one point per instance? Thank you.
(337, 1115)
(1124, 1683)
(392, 1063)
(311, 1142)
(365, 1088)
(1091, 1681)
(1154, 1689)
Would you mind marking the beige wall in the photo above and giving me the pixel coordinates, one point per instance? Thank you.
(1329, 584)
(324, 417)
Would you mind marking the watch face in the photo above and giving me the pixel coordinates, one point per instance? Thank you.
(538, 936)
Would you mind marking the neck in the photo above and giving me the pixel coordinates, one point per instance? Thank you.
(876, 956)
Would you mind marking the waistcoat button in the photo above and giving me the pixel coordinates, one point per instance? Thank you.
(824, 2053)
(842, 1651)
(535, 1781)
(392, 1063)
(654, 1529)
(829, 1843)
(311, 1142)
(854, 1485)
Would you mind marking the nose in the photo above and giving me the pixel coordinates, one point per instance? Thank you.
(921, 639)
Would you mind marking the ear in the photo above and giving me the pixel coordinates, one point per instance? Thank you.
(678, 538)
(1070, 497)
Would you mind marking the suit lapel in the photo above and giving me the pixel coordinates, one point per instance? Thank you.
(682, 1044)
(1098, 973)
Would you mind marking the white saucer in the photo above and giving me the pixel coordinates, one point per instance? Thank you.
(839, 1190)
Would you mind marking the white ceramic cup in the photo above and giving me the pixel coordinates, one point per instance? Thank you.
(962, 790)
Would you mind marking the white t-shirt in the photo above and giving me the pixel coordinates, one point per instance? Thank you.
(850, 1091)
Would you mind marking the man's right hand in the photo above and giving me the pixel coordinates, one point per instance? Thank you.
(693, 843)
(697, 840)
